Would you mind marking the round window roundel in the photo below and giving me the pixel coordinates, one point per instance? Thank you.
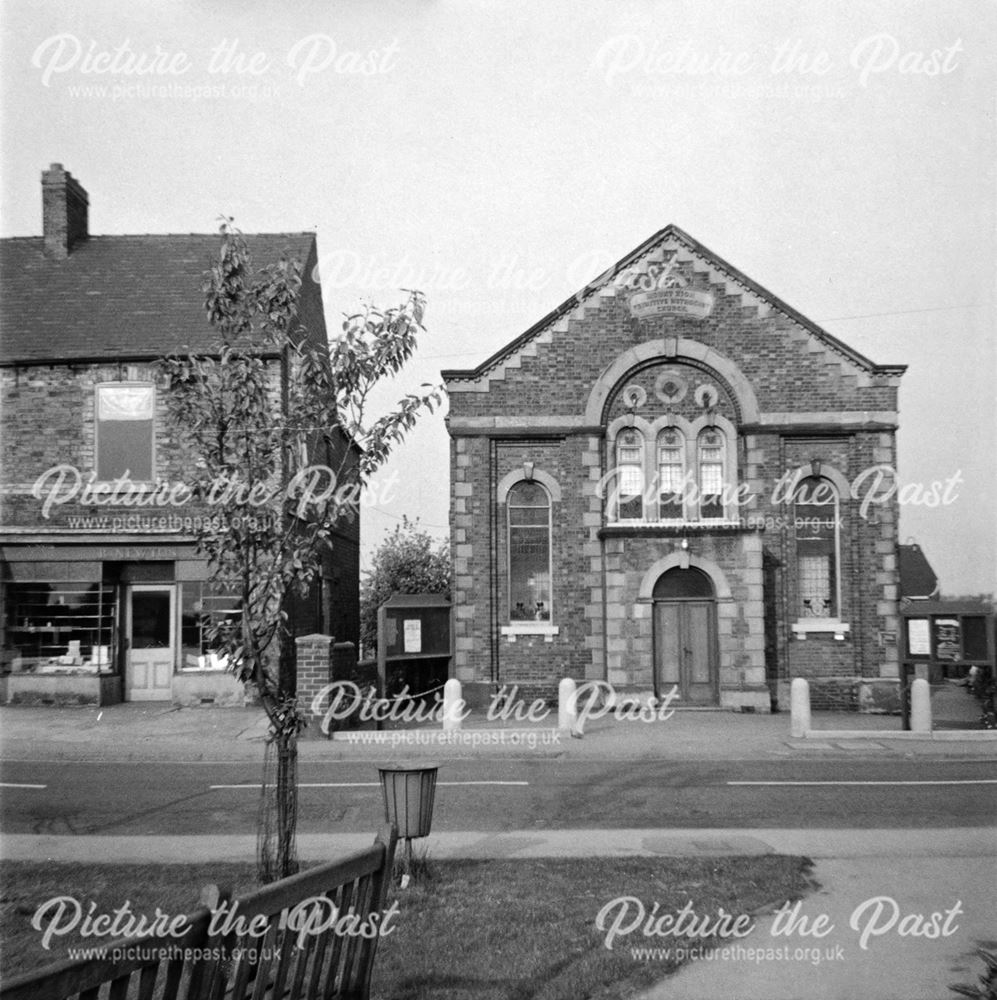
(670, 388)
(634, 397)
(706, 396)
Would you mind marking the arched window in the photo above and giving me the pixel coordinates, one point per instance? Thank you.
(710, 458)
(630, 475)
(817, 548)
(671, 472)
(528, 507)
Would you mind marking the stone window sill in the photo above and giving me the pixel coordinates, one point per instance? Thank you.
(545, 629)
(804, 626)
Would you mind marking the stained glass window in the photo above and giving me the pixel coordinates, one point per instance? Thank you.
(711, 473)
(671, 472)
(630, 475)
(816, 524)
(528, 506)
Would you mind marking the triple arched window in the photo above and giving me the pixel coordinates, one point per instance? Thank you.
(678, 472)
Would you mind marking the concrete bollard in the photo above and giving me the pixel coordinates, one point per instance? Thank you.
(453, 706)
(567, 710)
(920, 706)
(799, 701)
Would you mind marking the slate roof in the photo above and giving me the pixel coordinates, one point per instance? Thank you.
(670, 232)
(917, 578)
(120, 297)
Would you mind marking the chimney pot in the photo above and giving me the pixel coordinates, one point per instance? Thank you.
(65, 212)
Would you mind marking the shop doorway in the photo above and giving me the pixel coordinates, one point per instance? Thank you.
(685, 637)
(150, 630)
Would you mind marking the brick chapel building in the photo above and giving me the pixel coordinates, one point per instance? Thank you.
(102, 600)
(666, 483)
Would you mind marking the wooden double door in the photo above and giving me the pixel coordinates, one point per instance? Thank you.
(685, 650)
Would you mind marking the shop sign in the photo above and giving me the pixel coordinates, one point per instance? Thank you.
(100, 553)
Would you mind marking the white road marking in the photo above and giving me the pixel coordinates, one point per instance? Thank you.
(372, 784)
(17, 784)
(959, 781)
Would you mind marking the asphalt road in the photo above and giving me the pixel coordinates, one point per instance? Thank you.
(492, 795)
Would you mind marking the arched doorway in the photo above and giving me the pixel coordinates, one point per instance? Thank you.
(685, 636)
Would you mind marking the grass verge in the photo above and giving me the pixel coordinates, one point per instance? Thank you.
(491, 930)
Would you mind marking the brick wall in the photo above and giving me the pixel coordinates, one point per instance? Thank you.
(815, 402)
(314, 663)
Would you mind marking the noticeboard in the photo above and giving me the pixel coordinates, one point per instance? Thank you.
(415, 630)
(414, 640)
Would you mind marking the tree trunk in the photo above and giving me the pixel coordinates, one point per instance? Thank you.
(277, 854)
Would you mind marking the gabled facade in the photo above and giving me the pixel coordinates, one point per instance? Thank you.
(663, 484)
(103, 591)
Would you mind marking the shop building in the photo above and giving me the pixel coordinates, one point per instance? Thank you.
(104, 596)
(670, 482)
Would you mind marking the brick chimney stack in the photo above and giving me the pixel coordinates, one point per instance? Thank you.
(65, 211)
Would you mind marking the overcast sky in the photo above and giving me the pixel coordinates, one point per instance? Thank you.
(500, 155)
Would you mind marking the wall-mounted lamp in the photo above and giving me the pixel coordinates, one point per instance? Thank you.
(684, 544)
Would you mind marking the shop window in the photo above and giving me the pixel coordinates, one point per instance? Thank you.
(59, 627)
(711, 447)
(630, 475)
(817, 548)
(124, 435)
(671, 474)
(207, 612)
(529, 524)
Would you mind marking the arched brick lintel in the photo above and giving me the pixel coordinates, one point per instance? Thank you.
(684, 560)
(676, 349)
(545, 479)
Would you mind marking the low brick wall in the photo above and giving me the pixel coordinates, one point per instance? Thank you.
(63, 689)
(868, 695)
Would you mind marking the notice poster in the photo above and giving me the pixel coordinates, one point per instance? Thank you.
(918, 637)
(412, 636)
(947, 638)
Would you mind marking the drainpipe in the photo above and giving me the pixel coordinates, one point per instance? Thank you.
(493, 611)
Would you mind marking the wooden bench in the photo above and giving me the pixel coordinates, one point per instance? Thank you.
(308, 950)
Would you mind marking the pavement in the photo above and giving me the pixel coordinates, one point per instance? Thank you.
(160, 732)
(896, 914)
